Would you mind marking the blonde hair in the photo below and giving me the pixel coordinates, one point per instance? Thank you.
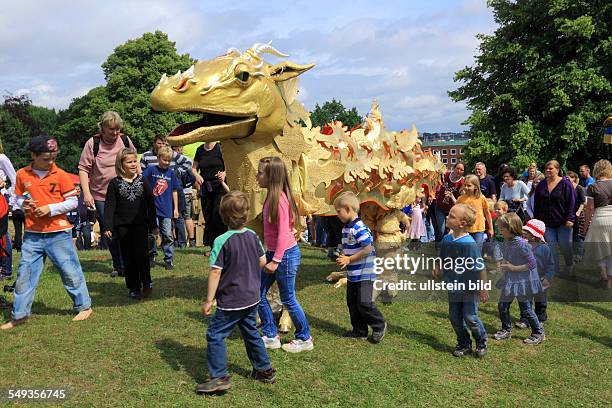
(534, 183)
(234, 208)
(347, 198)
(602, 169)
(473, 180)
(468, 214)
(109, 117)
(165, 153)
(1, 148)
(123, 153)
(277, 176)
(512, 223)
(501, 205)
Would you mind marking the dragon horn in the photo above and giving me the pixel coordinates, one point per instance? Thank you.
(267, 48)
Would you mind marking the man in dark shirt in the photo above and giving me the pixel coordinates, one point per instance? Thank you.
(487, 184)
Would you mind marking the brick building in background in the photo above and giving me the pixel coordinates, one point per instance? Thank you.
(449, 146)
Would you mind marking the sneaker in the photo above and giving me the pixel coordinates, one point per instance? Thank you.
(169, 265)
(296, 346)
(268, 376)
(134, 295)
(481, 351)
(192, 243)
(271, 342)
(461, 351)
(214, 385)
(152, 260)
(377, 336)
(522, 324)
(534, 339)
(502, 335)
(354, 335)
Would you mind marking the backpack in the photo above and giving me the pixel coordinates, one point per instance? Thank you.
(96, 143)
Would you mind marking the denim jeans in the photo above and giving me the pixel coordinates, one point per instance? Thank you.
(562, 235)
(220, 327)
(463, 315)
(479, 237)
(7, 261)
(430, 234)
(59, 248)
(440, 224)
(285, 278)
(181, 235)
(320, 232)
(539, 305)
(525, 306)
(165, 230)
(112, 244)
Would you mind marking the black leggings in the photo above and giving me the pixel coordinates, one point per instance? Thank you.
(134, 245)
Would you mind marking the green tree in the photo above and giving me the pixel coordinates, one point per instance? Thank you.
(19, 121)
(334, 110)
(540, 86)
(131, 73)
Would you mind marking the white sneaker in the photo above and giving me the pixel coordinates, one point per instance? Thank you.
(297, 346)
(271, 342)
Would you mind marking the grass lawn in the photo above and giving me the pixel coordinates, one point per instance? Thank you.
(152, 353)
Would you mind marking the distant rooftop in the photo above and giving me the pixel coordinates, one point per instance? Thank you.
(442, 143)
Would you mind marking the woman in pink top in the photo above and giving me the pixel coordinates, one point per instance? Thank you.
(280, 214)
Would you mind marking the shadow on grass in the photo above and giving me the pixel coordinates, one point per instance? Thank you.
(423, 338)
(604, 340)
(192, 360)
(114, 293)
(598, 309)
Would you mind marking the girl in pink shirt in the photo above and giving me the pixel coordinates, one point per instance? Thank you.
(280, 215)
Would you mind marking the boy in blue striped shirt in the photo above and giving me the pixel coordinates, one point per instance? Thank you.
(358, 258)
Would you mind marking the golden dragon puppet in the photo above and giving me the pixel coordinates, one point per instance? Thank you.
(250, 106)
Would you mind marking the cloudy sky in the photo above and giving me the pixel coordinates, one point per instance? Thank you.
(403, 52)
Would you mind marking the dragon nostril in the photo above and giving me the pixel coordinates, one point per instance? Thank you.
(182, 85)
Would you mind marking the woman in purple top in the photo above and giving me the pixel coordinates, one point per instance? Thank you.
(554, 203)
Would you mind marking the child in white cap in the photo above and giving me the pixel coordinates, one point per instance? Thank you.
(533, 232)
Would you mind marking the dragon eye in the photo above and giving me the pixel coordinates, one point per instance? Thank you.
(243, 76)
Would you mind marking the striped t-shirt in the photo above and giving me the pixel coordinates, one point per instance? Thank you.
(355, 236)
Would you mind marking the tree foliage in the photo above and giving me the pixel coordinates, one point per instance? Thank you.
(540, 86)
(19, 121)
(131, 73)
(334, 110)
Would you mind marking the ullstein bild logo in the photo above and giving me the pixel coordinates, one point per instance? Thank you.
(412, 264)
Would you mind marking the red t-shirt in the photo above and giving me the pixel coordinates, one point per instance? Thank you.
(445, 203)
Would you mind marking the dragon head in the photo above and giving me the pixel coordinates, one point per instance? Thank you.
(237, 94)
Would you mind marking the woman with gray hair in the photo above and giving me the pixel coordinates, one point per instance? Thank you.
(97, 169)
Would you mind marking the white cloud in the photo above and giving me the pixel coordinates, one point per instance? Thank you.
(403, 53)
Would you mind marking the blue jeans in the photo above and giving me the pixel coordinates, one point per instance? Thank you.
(59, 248)
(285, 278)
(7, 261)
(463, 315)
(220, 327)
(562, 235)
(165, 229)
(479, 237)
(440, 224)
(112, 244)
(320, 233)
(181, 235)
(430, 234)
(526, 312)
